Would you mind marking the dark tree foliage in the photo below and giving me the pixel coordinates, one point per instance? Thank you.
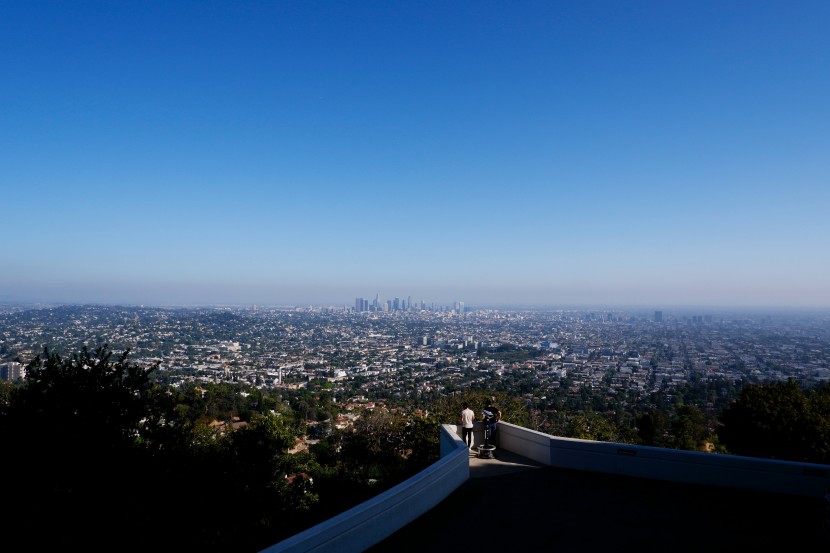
(689, 429)
(818, 415)
(387, 447)
(653, 428)
(69, 433)
(595, 426)
(99, 458)
(383, 449)
(510, 353)
(779, 420)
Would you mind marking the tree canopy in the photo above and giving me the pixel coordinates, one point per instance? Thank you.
(779, 420)
(108, 459)
(104, 455)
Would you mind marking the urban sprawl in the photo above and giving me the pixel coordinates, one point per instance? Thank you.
(383, 351)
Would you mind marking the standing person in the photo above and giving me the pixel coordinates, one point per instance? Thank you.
(491, 415)
(467, 418)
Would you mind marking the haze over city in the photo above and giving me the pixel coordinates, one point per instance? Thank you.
(538, 153)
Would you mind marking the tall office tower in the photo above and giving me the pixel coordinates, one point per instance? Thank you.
(408, 303)
(658, 316)
(377, 301)
(358, 304)
(397, 304)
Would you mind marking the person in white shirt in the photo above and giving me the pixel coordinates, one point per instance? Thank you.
(467, 418)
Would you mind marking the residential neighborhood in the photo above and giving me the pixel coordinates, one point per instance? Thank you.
(409, 351)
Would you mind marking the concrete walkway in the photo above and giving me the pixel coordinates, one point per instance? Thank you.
(503, 462)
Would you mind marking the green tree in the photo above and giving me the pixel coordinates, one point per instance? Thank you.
(73, 427)
(689, 429)
(271, 491)
(778, 421)
(652, 428)
(593, 426)
(104, 453)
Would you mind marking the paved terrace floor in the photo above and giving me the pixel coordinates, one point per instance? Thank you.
(538, 508)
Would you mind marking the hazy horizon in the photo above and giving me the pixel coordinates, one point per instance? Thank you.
(534, 153)
(669, 311)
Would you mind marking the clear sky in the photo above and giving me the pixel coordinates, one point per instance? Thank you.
(554, 153)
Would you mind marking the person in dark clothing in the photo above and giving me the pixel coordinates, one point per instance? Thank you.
(490, 415)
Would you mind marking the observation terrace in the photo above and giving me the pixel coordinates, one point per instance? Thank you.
(547, 493)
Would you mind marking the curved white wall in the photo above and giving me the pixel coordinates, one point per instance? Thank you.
(370, 522)
(692, 467)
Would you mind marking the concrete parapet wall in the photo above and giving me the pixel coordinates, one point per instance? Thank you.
(527, 443)
(691, 467)
(370, 522)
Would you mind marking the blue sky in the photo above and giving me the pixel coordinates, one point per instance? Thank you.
(550, 153)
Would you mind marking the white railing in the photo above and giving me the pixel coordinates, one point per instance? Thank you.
(370, 522)
(693, 467)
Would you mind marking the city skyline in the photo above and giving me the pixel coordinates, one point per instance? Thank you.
(533, 153)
